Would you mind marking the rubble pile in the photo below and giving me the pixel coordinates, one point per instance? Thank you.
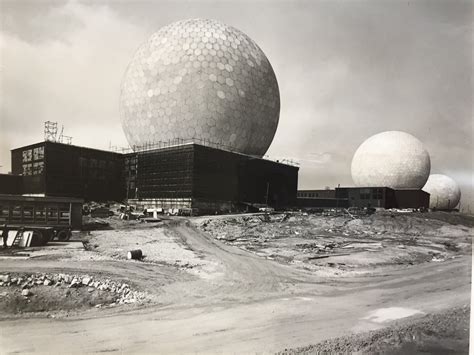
(124, 294)
(317, 247)
(354, 238)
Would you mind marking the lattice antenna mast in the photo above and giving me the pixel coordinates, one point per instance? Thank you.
(50, 131)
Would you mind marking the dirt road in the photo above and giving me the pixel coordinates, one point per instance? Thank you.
(239, 303)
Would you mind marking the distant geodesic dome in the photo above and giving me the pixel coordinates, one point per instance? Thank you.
(200, 79)
(393, 159)
(444, 192)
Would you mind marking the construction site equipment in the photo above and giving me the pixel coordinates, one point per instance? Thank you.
(47, 217)
(135, 254)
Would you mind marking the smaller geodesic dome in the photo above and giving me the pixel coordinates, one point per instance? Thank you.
(444, 192)
(391, 159)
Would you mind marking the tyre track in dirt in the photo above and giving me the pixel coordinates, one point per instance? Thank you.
(244, 304)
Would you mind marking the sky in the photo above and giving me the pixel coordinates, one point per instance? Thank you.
(346, 70)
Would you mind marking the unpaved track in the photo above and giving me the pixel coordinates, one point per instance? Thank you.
(245, 304)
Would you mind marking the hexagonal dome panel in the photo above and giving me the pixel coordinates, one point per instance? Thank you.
(200, 80)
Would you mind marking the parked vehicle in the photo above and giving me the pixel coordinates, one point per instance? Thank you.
(47, 218)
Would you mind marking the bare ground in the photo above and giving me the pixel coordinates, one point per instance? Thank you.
(442, 333)
(263, 289)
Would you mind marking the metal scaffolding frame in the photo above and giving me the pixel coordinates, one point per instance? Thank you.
(186, 141)
(50, 131)
(167, 173)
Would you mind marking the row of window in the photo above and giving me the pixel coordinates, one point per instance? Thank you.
(17, 213)
(33, 154)
(308, 194)
(33, 168)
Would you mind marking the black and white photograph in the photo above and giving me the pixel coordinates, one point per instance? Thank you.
(236, 176)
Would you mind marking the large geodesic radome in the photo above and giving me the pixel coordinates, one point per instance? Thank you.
(444, 192)
(200, 80)
(391, 159)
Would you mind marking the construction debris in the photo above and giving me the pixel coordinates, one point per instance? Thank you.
(362, 238)
(124, 294)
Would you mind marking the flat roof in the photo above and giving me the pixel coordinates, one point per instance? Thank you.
(380, 187)
(63, 144)
(364, 187)
(9, 197)
(174, 146)
(152, 149)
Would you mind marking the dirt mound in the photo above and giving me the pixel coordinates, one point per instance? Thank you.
(444, 333)
(455, 218)
(50, 299)
(27, 293)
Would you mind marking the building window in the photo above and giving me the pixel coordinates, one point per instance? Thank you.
(38, 153)
(27, 169)
(38, 168)
(27, 155)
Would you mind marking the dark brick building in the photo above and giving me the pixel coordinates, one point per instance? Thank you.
(376, 197)
(384, 197)
(182, 176)
(207, 179)
(56, 169)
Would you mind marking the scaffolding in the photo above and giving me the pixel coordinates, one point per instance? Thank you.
(180, 176)
(167, 173)
(50, 131)
(177, 142)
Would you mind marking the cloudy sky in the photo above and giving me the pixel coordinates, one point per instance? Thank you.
(346, 70)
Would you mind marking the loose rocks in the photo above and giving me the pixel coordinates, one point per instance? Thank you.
(124, 294)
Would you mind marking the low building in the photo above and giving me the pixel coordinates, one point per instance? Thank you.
(326, 193)
(308, 203)
(56, 169)
(189, 176)
(412, 198)
(325, 198)
(206, 179)
(384, 197)
(11, 184)
(377, 197)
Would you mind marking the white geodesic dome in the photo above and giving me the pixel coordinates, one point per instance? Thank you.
(445, 193)
(200, 79)
(393, 159)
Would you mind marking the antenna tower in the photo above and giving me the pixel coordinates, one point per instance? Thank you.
(50, 131)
